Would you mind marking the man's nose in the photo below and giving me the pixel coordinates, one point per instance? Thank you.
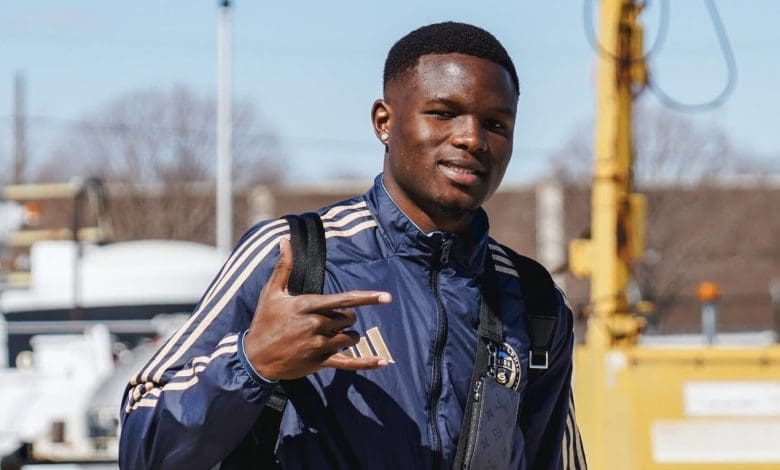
(470, 135)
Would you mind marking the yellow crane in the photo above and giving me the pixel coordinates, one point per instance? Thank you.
(644, 407)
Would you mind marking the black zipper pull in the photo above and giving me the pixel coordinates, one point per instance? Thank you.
(445, 250)
(477, 390)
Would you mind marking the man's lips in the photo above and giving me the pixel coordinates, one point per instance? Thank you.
(462, 173)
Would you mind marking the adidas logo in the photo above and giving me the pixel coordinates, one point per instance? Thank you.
(370, 345)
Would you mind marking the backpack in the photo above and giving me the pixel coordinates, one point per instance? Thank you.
(307, 240)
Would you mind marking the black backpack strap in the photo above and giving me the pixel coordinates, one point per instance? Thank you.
(541, 318)
(489, 336)
(307, 240)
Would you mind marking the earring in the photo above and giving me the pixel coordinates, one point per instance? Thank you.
(384, 136)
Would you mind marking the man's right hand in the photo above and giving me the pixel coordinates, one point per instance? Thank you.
(293, 336)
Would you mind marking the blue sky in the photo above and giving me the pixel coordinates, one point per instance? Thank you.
(314, 68)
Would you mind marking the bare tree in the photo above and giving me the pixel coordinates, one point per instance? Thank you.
(156, 148)
(676, 164)
(669, 149)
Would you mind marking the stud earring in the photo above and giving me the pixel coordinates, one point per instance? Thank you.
(384, 136)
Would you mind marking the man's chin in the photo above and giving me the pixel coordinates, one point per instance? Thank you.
(453, 211)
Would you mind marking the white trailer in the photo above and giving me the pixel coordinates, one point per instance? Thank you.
(73, 338)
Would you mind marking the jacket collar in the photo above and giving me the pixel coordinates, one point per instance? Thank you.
(466, 251)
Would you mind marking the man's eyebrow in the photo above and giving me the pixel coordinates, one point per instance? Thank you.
(444, 101)
(507, 111)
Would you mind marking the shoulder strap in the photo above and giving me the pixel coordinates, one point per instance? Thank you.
(538, 295)
(307, 239)
(489, 335)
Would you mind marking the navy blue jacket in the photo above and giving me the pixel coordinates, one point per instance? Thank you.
(198, 396)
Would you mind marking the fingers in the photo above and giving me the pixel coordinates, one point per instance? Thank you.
(281, 273)
(319, 303)
(335, 321)
(342, 340)
(344, 362)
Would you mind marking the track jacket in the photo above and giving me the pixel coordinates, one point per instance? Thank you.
(198, 396)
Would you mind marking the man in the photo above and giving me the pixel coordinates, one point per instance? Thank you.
(384, 357)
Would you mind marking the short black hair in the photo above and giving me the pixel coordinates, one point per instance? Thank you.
(446, 38)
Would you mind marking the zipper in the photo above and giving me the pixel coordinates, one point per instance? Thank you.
(446, 245)
(441, 337)
(475, 415)
(477, 391)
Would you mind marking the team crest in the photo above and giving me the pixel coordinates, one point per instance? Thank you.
(508, 368)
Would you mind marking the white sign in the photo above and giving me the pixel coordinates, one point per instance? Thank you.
(716, 441)
(732, 398)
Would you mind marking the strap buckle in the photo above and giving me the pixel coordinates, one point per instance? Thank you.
(537, 361)
(277, 400)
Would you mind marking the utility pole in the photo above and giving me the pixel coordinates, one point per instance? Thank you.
(20, 144)
(224, 201)
(617, 214)
(617, 232)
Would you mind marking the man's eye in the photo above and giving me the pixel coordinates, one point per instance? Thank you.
(495, 125)
(440, 114)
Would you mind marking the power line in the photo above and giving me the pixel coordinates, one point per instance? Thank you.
(596, 45)
(731, 66)
(662, 96)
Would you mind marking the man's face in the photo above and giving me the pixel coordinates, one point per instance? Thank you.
(450, 123)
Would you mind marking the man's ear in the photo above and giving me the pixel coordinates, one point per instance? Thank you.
(380, 118)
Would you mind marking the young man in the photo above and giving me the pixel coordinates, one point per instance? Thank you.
(383, 359)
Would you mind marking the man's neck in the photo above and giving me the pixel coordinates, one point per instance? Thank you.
(434, 219)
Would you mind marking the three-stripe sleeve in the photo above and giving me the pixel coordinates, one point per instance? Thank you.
(547, 419)
(572, 451)
(194, 401)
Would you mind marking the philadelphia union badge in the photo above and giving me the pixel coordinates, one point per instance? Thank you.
(508, 368)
